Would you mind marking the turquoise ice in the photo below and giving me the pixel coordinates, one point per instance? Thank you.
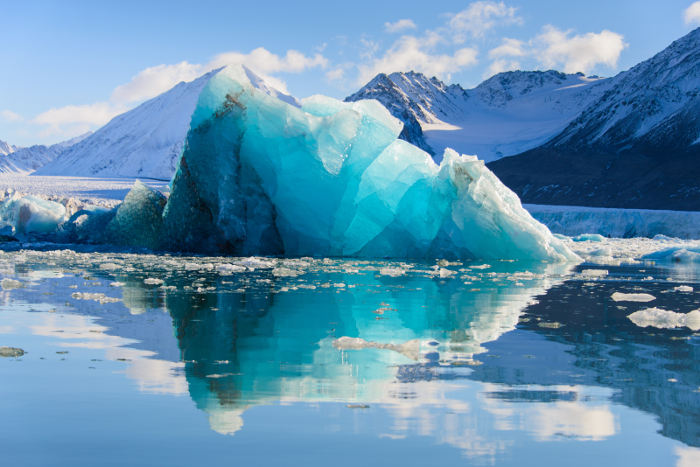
(261, 176)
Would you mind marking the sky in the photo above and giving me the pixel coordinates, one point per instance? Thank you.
(67, 67)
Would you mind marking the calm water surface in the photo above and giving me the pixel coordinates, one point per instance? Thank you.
(136, 359)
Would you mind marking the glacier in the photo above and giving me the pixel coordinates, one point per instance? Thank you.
(261, 176)
(614, 222)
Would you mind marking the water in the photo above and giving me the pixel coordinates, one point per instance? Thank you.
(226, 361)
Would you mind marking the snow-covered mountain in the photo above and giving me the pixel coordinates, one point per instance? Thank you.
(27, 160)
(73, 141)
(634, 146)
(6, 148)
(145, 141)
(503, 116)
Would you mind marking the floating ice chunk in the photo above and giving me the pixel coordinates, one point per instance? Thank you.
(153, 281)
(256, 263)
(6, 352)
(139, 219)
(98, 297)
(604, 251)
(285, 272)
(9, 284)
(589, 238)
(662, 238)
(683, 288)
(481, 266)
(684, 254)
(411, 349)
(632, 297)
(444, 273)
(231, 268)
(259, 176)
(595, 272)
(664, 319)
(394, 272)
(37, 215)
(110, 266)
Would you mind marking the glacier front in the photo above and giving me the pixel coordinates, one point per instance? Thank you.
(260, 176)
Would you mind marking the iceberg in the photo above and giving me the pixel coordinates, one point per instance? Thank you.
(260, 176)
(36, 215)
(665, 319)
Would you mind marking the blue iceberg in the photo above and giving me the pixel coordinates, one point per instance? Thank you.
(262, 176)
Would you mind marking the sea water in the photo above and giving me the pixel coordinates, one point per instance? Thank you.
(130, 358)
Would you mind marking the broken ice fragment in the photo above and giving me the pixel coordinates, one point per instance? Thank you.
(589, 238)
(632, 297)
(98, 297)
(11, 352)
(595, 272)
(410, 349)
(664, 319)
(37, 215)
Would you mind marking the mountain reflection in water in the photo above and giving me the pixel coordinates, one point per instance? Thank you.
(549, 349)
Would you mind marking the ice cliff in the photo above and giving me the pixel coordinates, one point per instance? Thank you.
(260, 176)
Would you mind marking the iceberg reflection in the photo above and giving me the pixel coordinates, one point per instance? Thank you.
(470, 357)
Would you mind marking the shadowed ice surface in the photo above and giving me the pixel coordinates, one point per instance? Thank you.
(143, 359)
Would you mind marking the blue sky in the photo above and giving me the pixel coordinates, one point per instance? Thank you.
(70, 66)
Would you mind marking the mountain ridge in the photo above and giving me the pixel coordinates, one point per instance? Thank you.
(27, 160)
(503, 116)
(146, 141)
(639, 142)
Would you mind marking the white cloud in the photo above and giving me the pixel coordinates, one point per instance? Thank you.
(479, 17)
(500, 54)
(554, 48)
(410, 53)
(420, 53)
(509, 48)
(400, 25)
(692, 14)
(335, 74)
(10, 116)
(154, 81)
(687, 456)
(72, 120)
(501, 65)
(264, 62)
(68, 120)
(369, 48)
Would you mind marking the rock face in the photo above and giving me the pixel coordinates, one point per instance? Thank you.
(635, 146)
